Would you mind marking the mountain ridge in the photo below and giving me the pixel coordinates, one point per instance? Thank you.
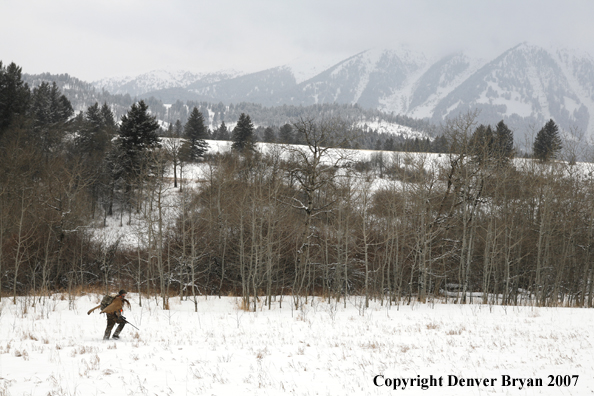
(524, 85)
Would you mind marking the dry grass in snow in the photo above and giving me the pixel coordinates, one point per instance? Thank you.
(322, 349)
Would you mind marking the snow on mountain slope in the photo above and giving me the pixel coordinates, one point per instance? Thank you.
(524, 86)
(393, 129)
(161, 79)
(441, 78)
(365, 65)
(363, 79)
(114, 84)
(578, 67)
(257, 87)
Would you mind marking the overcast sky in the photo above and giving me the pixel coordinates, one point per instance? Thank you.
(102, 38)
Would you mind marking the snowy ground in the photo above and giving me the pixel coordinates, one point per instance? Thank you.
(320, 350)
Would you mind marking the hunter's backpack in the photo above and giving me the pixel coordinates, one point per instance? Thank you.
(106, 301)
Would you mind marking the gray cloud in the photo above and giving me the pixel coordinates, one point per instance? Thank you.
(91, 40)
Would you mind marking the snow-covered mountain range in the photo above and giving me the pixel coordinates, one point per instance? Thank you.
(525, 86)
(157, 80)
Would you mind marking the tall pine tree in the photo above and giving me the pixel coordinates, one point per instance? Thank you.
(503, 143)
(269, 135)
(50, 110)
(243, 134)
(222, 133)
(481, 144)
(195, 132)
(93, 143)
(138, 134)
(14, 95)
(548, 142)
(49, 106)
(178, 129)
(92, 137)
(285, 134)
(108, 119)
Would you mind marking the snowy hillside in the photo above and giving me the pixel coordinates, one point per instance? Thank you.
(525, 85)
(130, 232)
(255, 87)
(364, 78)
(160, 79)
(436, 82)
(392, 129)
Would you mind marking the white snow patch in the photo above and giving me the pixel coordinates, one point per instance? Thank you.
(393, 129)
(322, 349)
(571, 105)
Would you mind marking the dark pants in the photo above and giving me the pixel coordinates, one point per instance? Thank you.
(112, 319)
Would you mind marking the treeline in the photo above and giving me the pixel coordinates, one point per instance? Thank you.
(471, 224)
(280, 115)
(82, 95)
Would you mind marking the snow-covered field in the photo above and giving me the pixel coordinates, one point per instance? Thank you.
(322, 349)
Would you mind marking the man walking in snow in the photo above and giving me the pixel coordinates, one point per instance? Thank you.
(114, 315)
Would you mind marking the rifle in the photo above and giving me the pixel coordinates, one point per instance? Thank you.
(125, 321)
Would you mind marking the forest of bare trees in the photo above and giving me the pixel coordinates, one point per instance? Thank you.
(471, 226)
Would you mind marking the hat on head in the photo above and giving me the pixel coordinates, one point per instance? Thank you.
(122, 292)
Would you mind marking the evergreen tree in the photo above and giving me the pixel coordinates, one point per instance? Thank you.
(378, 145)
(48, 106)
(243, 134)
(481, 144)
(93, 142)
(14, 95)
(93, 135)
(440, 144)
(178, 129)
(138, 133)
(195, 132)
(50, 111)
(269, 135)
(112, 173)
(503, 143)
(548, 142)
(108, 119)
(222, 133)
(285, 134)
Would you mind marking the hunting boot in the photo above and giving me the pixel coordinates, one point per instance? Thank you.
(116, 335)
(107, 334)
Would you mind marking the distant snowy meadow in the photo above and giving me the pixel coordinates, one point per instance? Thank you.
(55, 348)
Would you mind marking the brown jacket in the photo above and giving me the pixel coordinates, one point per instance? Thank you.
(115, 307)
